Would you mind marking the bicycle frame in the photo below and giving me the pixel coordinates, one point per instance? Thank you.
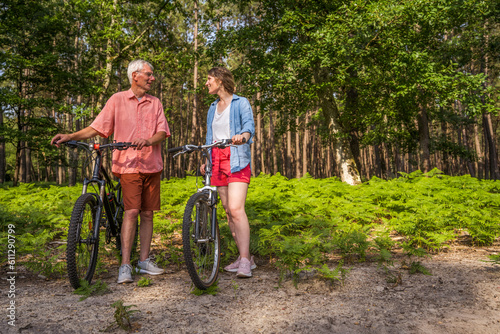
(101, 177)
(213, 195)
(88, 216)
(200, 231)
(98, 170)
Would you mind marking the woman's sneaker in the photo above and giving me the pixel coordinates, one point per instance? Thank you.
(125, 274)
(233, 267)
(245, 268)
(149, 267)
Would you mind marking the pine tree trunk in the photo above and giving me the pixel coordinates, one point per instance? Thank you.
(289, 173)
(378, 161)
(445, 161)
(283, 151)
(18, 164)
(305, 143)
(259, 165)
(423, 132)
(194, 118)
(70, 154)
(28, 165)
(297, 160)
(492, 151)
(272, 143)
(487, 169)
(489, 138)
(480, 156)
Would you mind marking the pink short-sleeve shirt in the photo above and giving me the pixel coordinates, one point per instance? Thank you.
(128, 118)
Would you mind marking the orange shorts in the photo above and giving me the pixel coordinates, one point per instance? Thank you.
(141, 191)
(221, 169)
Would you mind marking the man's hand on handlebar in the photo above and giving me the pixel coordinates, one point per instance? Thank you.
(141, 142)
(59, 139)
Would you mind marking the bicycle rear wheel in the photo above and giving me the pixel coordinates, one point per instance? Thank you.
(119, 215)
(83, 240)
(201, 248)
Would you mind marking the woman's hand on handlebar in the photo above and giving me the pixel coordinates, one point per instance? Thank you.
(239, 139)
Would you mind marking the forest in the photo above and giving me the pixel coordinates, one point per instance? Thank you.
(339, 88)
(375, 158)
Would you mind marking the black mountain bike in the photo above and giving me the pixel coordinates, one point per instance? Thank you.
(200, 228)
(93, 210)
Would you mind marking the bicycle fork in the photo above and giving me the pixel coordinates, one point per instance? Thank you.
(212, 205)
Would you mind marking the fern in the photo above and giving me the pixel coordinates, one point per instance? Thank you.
(298, 222)
(86, 290)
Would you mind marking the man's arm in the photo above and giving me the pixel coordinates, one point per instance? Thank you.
(83, 134)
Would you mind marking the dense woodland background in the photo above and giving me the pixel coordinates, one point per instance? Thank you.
(345, 88)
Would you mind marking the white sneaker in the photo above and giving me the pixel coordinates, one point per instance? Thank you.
(233, 267)
(149, 267)
(125, 274)
(245, 268)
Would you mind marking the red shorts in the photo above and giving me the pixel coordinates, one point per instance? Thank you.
(221, 169)
(141, 191)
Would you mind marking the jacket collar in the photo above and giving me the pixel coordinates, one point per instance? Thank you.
(235, 97)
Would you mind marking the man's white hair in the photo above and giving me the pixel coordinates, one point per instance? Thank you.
(136, 66)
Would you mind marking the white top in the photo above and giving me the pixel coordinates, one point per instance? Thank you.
(220, 124)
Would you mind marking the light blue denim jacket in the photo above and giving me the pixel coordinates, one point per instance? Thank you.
(240, 120)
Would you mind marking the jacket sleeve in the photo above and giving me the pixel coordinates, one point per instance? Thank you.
(246, 115)
(210, 117)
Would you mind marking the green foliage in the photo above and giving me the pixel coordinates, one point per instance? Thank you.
(339, 273)
(144, 282)
(212, 290)
(380, 60)
(494, 258)
(86, 290)
(417, 267)
(171, 255)
(40, 214)
(351, 243)
(42, 258)
(235, 287)
(300, 223)
(122, 315)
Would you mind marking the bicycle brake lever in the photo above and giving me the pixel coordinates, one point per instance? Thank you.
(176, 154)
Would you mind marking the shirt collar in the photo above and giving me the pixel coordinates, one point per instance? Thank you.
(131, 95)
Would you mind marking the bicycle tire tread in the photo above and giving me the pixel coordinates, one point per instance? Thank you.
(73, 238)
(188, 252)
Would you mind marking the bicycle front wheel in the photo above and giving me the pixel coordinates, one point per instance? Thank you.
(201, 246)
(83, 241)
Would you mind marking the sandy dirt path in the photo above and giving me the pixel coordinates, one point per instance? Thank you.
(461, 296)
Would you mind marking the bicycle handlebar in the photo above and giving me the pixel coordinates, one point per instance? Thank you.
(191, 148)
(95, 146)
